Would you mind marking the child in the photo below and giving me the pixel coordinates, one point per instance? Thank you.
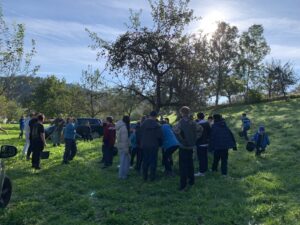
(246, 123)
(22, 126)
(261, 140)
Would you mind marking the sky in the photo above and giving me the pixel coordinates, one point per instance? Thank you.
(58, 27)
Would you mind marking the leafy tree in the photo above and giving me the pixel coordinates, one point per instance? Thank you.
(147, 56)
(253, 48)
(232, 86)
(51, 97)
(14, 60)
(92, 84)
(283, 76)
(223, 54)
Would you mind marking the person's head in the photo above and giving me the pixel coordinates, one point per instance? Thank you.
(153, 115)
(261, 129)
(167, 120)
(70, 120)
(217, 118)
(200, 116)
(185, 111)
(41, 118)
(22, 117)
(109, 120)
(32, 114)
(210, 118)
(244, 115)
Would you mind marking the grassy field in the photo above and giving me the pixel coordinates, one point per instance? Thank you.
(262, 190)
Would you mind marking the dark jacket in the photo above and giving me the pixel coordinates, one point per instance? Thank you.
(221, 137)
(187, 132)
(150, 134)
(204, 139)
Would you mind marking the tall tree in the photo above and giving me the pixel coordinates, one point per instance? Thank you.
(147, 56)
(14, 60)
(253, 48)
(92, 83)
(223, 54)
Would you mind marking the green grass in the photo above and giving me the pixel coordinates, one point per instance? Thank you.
(262, 190)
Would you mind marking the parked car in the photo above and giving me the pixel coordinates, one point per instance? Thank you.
(6, 151)
(95, 124)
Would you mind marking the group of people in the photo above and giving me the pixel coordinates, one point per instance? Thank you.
(141, 143)
(36, 139)
(149, 135)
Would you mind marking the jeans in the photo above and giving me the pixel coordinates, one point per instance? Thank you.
(168, 158)
(139, 159)
(27, 143)
(186, 167)
(70, 149)
(124, 164)
(245, 134)
(202, 157)
(149, 162)
(222, 155)
(36, 154)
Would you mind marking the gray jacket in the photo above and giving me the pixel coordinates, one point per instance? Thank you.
(187, 132)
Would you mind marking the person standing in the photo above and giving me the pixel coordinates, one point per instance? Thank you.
(187, 132)
(246, 123)
(22, 126)
(123, 131)
(202, 145)
(37, 141)
(151, 139)
(59, 126)
(221, 140)
(109, 138)
(139, 151)
(31, 123)
(70, 141)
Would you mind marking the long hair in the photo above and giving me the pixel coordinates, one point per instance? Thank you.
(126, 120)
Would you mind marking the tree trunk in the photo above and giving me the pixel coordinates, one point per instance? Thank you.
(158, 94)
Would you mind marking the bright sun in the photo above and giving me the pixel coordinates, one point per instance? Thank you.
(208, 23)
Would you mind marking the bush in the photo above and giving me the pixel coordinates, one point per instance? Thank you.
(254, 96)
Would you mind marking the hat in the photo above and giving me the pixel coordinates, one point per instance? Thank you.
(153, 114)
(261, 128)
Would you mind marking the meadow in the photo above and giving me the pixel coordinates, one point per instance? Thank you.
(264, 190)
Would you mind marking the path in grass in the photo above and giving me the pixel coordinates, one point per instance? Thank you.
(258, 191)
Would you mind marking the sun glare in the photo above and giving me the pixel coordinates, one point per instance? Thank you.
(208, 23)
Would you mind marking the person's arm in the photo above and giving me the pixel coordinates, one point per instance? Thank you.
(43, 135)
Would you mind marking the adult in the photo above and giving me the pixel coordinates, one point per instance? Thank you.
(109, 138)
(27, 133)
(221, 140)
(37, 141)
(33, 120)
(187, 131)
(170, 145)
(151, 139)
(57, 133)
(123, 131)
(202, 144)
(21, 126)
(70, 141)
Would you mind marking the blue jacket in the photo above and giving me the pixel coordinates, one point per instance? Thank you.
(133, 141)
(169, 138)
(264, 141)
(221, 137)
(22, 124)
(246, 123)
(70, 132)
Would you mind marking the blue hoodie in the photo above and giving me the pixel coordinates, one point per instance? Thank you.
(169, 138)
(264, 141)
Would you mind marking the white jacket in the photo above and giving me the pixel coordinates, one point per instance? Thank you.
(122, 136)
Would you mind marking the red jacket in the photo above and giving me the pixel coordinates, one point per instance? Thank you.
(109, 135)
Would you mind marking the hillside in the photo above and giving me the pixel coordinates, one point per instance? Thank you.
(262, 190)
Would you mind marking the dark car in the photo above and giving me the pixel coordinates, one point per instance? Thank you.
(95, 124)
